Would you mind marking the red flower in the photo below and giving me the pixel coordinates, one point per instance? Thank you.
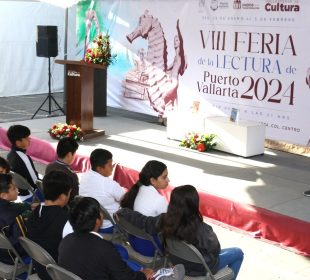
(201, 147)
(100, 53)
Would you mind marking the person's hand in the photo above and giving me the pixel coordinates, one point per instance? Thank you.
(34, 205)
(148, 273)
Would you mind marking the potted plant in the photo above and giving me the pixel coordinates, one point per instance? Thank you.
(99, 51)
(62, 130)
(201, 142)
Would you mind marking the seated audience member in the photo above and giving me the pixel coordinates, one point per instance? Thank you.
(19, 161)
(4, 166)
(184, 222)
(66, 149)
(145, 198)
(89, 256)
(143, 195)
(11, 221)
(96, 183)
(46, 223)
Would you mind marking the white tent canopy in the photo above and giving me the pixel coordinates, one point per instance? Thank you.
(21, 71)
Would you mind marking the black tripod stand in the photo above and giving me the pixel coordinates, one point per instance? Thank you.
(49, 97)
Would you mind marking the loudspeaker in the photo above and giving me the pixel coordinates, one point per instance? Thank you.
(47, 45)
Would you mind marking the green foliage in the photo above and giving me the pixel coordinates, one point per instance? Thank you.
(199, 142)
(63, 130)
(100, 51)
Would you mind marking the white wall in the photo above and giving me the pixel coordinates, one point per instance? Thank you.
(21, 71)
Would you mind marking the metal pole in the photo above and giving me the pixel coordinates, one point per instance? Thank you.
(49, 86)
(65, 57)
(66, 34)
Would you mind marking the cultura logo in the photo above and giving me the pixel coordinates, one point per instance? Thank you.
(237, 4)
(276, 6)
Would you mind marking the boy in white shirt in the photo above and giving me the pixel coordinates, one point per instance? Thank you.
(96, 183)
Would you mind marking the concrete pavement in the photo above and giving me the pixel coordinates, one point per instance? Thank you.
(274, 181)
(262, 260)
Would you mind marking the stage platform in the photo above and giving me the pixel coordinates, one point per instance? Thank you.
(262, 195)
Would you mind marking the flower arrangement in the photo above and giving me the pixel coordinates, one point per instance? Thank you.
(62, 130)
(99, 51)
(199, 142)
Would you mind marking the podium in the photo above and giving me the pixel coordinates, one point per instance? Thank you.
(81, 96)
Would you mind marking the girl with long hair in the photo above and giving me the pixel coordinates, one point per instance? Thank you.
(144, 196)
(184, 221)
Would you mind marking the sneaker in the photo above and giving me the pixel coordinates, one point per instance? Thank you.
(173, 273)
(307, 193)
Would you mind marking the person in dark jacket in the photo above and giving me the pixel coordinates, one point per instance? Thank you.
(21, 163)
(66, 149)
(85, 253)
(46, 223)
(184, 221)
(11, 221)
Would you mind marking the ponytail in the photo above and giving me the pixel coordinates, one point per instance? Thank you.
(152, 169)
(129, 198)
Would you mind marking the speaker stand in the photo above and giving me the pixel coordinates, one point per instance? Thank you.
(49, 97)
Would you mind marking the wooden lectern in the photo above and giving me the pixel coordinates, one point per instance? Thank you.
(79, 91)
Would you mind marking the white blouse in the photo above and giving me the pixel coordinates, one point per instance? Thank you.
(150, 202)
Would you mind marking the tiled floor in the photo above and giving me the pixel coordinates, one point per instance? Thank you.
(18, 108)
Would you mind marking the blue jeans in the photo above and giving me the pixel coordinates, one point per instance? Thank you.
(145, 247)
(124, 255)
(231, 257)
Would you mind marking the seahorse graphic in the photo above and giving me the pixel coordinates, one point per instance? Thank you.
(157, 81)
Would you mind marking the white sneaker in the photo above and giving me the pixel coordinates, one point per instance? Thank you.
(173, 273)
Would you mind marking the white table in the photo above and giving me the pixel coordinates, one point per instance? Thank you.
(244, 138)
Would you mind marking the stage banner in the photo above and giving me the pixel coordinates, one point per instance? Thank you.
(250, 55)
